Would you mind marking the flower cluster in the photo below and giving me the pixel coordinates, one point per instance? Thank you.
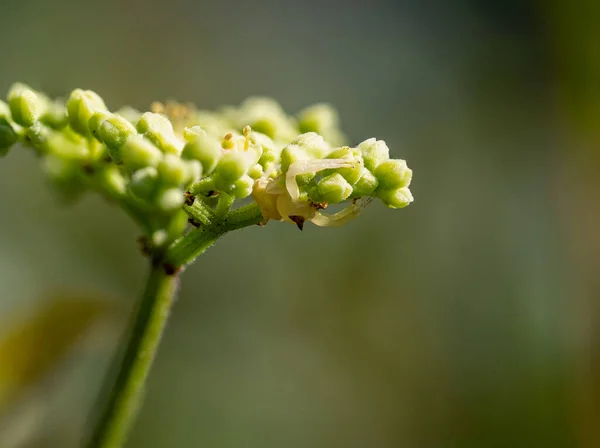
(158, 163)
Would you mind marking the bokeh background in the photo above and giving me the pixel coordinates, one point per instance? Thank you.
(469, 319)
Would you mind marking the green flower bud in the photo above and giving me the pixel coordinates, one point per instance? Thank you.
(317, 118)
(26, 105)
(81, 105)
(396, 198)
(4, 110)
(143, 182)
(204, 148)
(255, 171)
(193, 171)
(366, 185)
(159, 238)
(172, 170)
(322, 119)
(333, 189)
(290, 154)
(170, 199)
(137, 152)
(60, 145)
(189, 134)
(264, 115)
(8, 136)
(130, 114)
(36, 136)
(112, 180)
(242, 188)
(232, 166)
(374, 152)
(351, 174)
(313, 144)
(159, 130)
(55, 115)
(393, 174)
(112, 130)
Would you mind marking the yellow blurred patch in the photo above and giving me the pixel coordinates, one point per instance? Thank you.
(31, 345)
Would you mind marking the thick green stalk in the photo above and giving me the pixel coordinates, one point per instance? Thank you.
(125, 395)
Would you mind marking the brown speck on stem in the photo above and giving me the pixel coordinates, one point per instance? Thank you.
(144, 244)
(193, 222)
(170, 269)
(189, 198)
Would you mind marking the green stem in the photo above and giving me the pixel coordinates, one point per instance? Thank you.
(125, 395)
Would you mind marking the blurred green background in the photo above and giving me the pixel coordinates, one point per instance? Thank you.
(469, 319)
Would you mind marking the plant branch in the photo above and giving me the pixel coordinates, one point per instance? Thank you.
(143, 340)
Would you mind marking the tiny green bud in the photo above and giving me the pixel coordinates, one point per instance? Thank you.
(399, 198)
(60, 145)
(333, 189)
(374, 152)
(313, 143)
(81, 105)
(242, 188)
(137, 152)
(318, 118)
(143, 182)
(204, 148)
(159, 238)
(193, 171)
(130, 114)
(55, 115)
(351, 174)
(113, 181)
(113, 131)
(170, 199)
(189, 134)
(393, 174)
(322, 119)
(366, 185)
(172, 170)
(232, 166)
(159, 130)
(290, 154)
(8, 136)
(4, 110)
(255, 171)
(36, 136)
(26, 105)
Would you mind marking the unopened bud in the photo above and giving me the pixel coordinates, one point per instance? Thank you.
(374, 152)
(26, 105)
(333, 189)
(393, 174)
(242, 188)
(82, 104)
(172, 170)
(137, 152)
(159, 130)
(143, 182)
(366, 185)
(399, 198)
(204, 148)
(170, 199)
(8, 136)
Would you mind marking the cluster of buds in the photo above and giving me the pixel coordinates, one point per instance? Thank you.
(157, 164)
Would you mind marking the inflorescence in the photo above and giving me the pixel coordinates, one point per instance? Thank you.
(178, 163)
